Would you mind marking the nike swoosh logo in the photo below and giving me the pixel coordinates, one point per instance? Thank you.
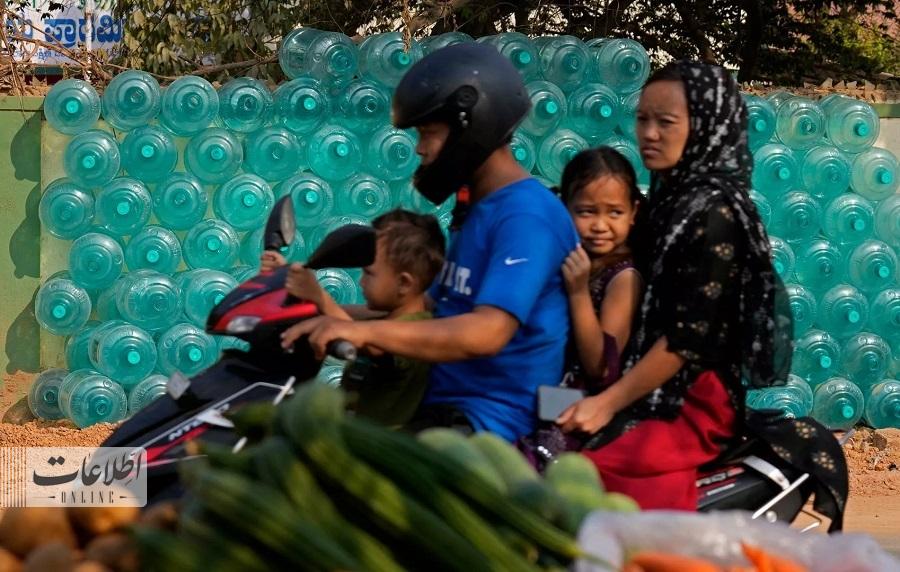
(510, 261)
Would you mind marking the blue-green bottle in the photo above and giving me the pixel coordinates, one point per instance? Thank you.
(105, 308)
(593, 111)
(364, 105)
(329, 57)
(95, 261)
(230, 343)
(762, 206)
(760, 121)
(866, 358)
(557, 150)
(524, 150)
(273, 153)
(203, 289)
(872, 267)
(123, 206)
(146, 392)
(149, 300)
(887, 220)
(391, 154)
(819, 265)
(211, 244)
(803, 308)
(851, 125)
(123, 352)
(843, 311)
(66, 210)
(312, 195)
(43, 395)
(364, 195)
(62, 307)
(783, 258)
(885, 319)
(875, 174)
(149, 154)
(385, 58)
(795, 216)
(825, 172)
(180, 201)
(775, 170)
(629, 149)
(776, 98)
(214, 155)
(96, 399)
(77, 346)
(245, 105)
(252, 249)
(409, 198)
(187, 349)
(848, 220)
(72, 106)
(434, 43)
(302, 105)
(837, 404)
(334, 153)
(883, 405)
(189, 105)
(628, 117)
(794, 399)
(331, 373)
(519, 49)
(620, 63)
(817, 356)
(154, 248)
(800, 124)
(338, 284)
(244, 202)
(564, 60)
(130, 100)
(243, 273)
(68, 383)
(92, 158)
(548, 108)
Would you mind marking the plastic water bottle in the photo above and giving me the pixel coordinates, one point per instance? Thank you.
(548, 107)
(187, 349)
(273, 153)
(783, 258)
(243, 273)
(154, 248)
(843, 311)
(330, 57)
(803, 308)
(149, 154)
(66, 210)
(819, 265)
(776, 98)
(92, 158)
(883, 405)
(244, 202)
(252, 249)
(837, 404)
(885, 319)
(62, 307)
(211, 244)
(123, 352)
(105, 307)
(331, 373)
(524, 150)
(123, 206)
(620, 63)
(230, 343)
(794, 399)
(391, 154)
(760, 120)
(180, 202)
(245, 105)
(77, 346)
(557, 150)
(796, 216)
(519, 49)
(69, 381)
(364, 105)
(301, 105)
(629, 149)
(384, 57)
(800, 124)
(146, 392)
(72, 106)
(825, 173)
(93, 398)
(762, 206)
(866, 359)
(203, 289)
(364, 195)
(214, 155)
(149, 300)
(130, 100)
(43, 395)
(338, 284)
(334, 153)
(875, 174)
(628, 118)
(775, 170)
(331, 224)
(887, 220)
(95, 261)
(852, 125)
(817, 355)
(434, 43)
(189, 105)
(593, 111)
(872, 267)
(313, 198)
(564, 60)
(848, 219)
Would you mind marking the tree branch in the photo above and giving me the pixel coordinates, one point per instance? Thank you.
(694, 32)
(437, 10)
(753, 30)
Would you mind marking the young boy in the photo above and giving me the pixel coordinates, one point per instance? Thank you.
(409, 254)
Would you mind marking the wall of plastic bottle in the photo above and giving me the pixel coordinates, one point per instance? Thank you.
(163, 200)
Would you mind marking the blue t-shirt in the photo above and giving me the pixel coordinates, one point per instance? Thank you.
(507, 254)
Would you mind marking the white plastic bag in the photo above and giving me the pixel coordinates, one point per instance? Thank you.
(717, 537)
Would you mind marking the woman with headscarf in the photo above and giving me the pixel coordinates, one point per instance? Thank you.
(708, 325)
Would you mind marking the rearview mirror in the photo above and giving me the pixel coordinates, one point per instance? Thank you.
(281, 226)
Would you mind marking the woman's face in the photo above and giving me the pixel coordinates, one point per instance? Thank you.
(663, 124)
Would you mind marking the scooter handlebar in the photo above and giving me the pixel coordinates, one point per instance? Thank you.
(342, 349)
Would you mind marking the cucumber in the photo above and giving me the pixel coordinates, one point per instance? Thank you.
(455, 446)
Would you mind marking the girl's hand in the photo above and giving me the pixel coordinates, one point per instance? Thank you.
(576, 271)
(587, 416)
(301, 283)
(271, 260)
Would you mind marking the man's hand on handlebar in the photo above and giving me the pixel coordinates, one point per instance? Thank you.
(271, 260)
(324, 329)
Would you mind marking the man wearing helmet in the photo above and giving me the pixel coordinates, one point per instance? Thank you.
(501, 315)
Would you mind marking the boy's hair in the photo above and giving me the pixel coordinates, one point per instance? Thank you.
(413, 242)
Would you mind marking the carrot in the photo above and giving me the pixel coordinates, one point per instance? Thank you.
(765, 562)
(664, 562)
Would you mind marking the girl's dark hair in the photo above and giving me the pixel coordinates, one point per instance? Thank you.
(668, 72)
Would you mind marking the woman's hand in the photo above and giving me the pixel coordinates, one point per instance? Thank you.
(587, 416)
(271, 260)
(301, 283)
(576, 271)
(324, 329)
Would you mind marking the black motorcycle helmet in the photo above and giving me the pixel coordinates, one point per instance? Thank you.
(478, 93)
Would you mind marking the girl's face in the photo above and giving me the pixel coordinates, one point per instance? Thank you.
(603, 215)
(663, 124)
